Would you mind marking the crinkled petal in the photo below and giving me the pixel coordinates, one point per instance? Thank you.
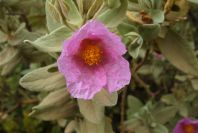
(118, 74)
(82, 82)
(94, 29)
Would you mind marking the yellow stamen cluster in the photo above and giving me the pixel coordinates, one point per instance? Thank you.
(91, 54)
(189, 128)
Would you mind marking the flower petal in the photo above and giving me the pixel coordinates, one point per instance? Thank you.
(118, 74)
(94, 29)
(82, 82)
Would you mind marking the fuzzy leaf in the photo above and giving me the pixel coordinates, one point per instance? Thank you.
(104, 98)
(53, 17)
(160, 129)
(179, 53)
(91, 110)
(52, 42)
(42, 80)
(57, 105)
(113, 17)
(164, 115)
(8, 55)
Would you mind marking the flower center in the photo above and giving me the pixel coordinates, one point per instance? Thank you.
(189, 128)
(91, 54)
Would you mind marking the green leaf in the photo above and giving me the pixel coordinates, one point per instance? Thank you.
(53, 17)
(113, 17)
(160, 129)
(73, 15)
(179, 53)
(193, 1)
(94, 8)
(134, 105)
(114, 3)
(52, 42)
(3, 37)
(194, 83)
(57, 105)
(42, 80)
(142, 129)
(21, 34)
(134, 43)
(157, 16)
(8, 55)
(165, 114)
(104, 98)
(149, 31)
(9, 67)
(91, 110)
(85, 126)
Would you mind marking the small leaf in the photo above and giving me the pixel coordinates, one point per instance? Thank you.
(134, 43)
(149, 31)
(42, 80)
(57, 105)
(134, 105)
(104, 98)
(179, 53)
(160, 129)
(114, 3)
(193, 1)
(53, 17)
(52, 42)
(194, 83)
(86, 126)
(8, 68)
(73, 17)
(91, 110)
(157, 15)
(113, 17)
(142, 129)
(165, 114)
(8, 55)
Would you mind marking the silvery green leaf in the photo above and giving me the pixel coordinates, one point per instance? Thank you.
(113, 17)
(43, 80)
(8, 55)
(142, 129)
(165, 114)
(21, 34)
(85, 126)
(53, 17)
(94, 8)
(71, 127)
(135, 43)
(157, 15)
(194, 83)
(179, 53)
(52, 42)
(91, 110)
(193, 1)
(8, 68)
(134, 105)
(73, 15)
(3, 37)
(149, 31)
(160, 129)
(57, 105)
(169, 99)
(104, 98)
(114, 3)
(145, 4)
(131, 124)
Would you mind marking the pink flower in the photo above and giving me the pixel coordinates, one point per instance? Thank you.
(92, 60)
(186, 125)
